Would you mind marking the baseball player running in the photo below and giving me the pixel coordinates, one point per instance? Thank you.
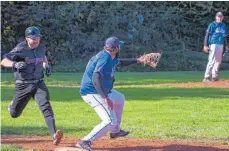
(28, 60)
(97, 90)
(215, 40)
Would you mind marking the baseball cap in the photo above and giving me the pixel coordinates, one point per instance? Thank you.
(32, 32)
(113, 42)
(219, 14)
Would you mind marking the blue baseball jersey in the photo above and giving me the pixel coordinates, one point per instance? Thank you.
(105, 65)
(217, 33)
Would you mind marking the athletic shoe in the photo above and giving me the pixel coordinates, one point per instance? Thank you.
(121, 133)
(215, 79)
(84, 145)
(206, 80)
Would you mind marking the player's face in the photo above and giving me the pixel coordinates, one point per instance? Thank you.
(219, 19)
(33, 42)
(117, 52)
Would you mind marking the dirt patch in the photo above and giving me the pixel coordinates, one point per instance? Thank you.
(121, 144)
(217, 84)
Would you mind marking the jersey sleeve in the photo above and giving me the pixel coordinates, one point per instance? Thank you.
(13, 55)
(101, 66)
(209, 29)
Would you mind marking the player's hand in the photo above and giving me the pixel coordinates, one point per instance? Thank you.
(206, 49)
(109, 103)
(48, 71)
(227, 48)
(140, 59)
(19, 65)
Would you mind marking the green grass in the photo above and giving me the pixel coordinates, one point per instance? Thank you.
(5, 147)
(125, 78)
(161, 111)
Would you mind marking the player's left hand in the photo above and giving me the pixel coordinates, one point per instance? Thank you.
(48, 71)
(109, 103)
(140, 59)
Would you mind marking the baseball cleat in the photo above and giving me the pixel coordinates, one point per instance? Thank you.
(206, 80)
(86, 145)
(121, 133)
(215, 79)
(57, 137)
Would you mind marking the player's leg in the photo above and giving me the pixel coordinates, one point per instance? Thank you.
(22, 95)
(118, 100)
(108, 117)
(211, 61)
(218, 60)
(42, 97)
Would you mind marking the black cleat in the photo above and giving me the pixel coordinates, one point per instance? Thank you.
(121, 133)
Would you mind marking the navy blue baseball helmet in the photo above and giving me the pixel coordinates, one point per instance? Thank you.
(220, 14)
(113, 42)
(32, 32)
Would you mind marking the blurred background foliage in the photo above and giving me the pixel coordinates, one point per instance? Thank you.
(74, 31)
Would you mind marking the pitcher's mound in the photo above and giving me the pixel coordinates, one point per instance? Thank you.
(216, 84)
(68, 149)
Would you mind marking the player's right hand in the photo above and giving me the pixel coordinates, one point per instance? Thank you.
(206, 49)
(19, 65)
(109, 103)
(48, 71)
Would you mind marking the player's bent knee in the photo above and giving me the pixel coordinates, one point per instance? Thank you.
(110, 123)
(114, 123)
(123, 99)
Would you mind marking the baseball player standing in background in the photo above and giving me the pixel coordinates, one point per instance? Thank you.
(214, 42)
(28, 60)
(97, 90)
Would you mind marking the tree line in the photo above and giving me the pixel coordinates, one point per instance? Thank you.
(75, 31)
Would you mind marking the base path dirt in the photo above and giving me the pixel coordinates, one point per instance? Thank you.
(121, 144)
(216, 84)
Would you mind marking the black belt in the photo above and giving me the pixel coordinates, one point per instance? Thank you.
(28, 81)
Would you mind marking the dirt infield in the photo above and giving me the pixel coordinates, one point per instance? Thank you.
(217, 84)
(121, 144)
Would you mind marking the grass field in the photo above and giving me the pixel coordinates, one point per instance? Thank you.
(152, 109)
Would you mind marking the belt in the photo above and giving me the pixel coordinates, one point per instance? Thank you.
(28, 81)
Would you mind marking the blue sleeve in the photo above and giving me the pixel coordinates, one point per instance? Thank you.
(101, 66)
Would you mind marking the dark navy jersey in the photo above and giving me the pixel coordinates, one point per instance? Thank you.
(34, 59)
(103, 64)
(217, 33)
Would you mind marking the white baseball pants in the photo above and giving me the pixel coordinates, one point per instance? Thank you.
(111, 119)
(214, 61)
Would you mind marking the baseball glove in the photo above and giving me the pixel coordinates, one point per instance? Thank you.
(151, 59)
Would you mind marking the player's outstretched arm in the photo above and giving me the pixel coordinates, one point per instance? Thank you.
(127, 61)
